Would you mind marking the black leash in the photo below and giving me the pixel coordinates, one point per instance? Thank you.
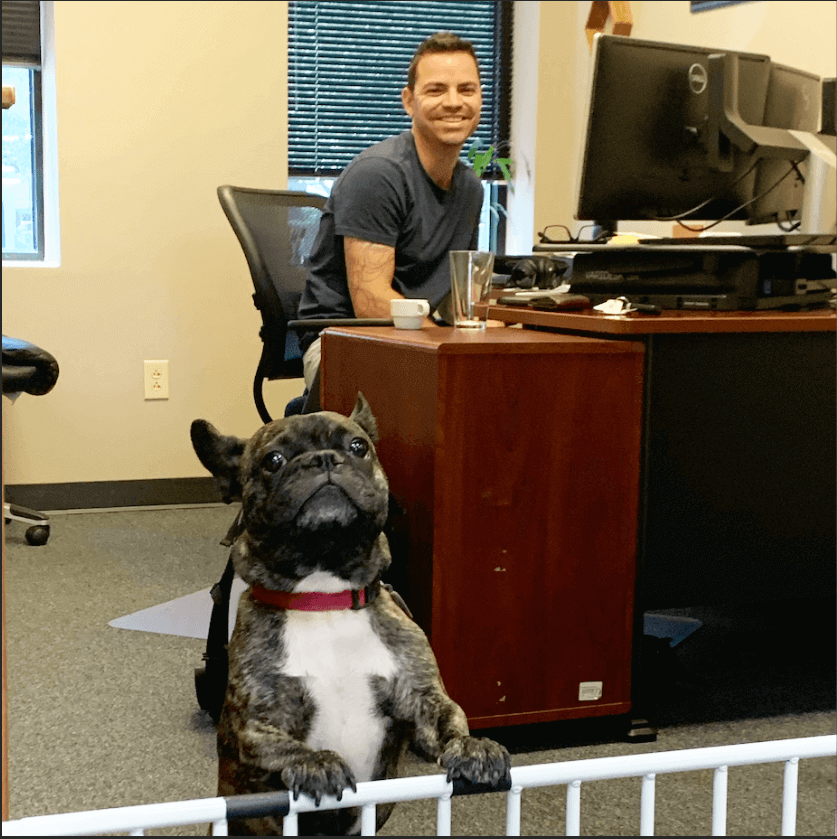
(211, 679)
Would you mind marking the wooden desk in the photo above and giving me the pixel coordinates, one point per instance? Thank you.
(670, 322)
(516, 457)
(738, 482)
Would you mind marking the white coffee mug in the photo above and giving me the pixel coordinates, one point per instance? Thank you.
(409, 314)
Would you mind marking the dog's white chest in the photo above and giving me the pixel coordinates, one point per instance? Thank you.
(335, 654)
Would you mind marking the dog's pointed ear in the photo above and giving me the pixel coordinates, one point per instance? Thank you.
(221, 455)
(362, 415)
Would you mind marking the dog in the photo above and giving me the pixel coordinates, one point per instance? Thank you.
(329, 679)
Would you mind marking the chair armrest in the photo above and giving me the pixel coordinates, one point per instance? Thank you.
(318, 324)
(27, 368)
(17, 379)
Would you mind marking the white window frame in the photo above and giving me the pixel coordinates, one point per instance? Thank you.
(49, 146)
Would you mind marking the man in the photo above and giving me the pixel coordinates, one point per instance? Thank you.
(402, 204)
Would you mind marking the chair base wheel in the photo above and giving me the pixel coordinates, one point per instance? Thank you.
(640, 731)
(37, 535)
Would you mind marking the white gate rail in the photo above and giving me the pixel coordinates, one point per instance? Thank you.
(369, 794)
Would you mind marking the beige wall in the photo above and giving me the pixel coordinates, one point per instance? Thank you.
(794, 32)
(153, 117)
(158, 103)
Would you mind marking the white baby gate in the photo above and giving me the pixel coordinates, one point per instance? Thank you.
(368, 795)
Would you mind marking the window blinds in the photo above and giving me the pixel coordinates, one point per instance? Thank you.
(22, 32)
(347, 63)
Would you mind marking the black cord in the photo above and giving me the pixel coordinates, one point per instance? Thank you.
(709, 200)
(546, 240)
(791, 226)
(770, 189)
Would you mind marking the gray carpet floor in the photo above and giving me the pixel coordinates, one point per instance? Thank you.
(104, 717)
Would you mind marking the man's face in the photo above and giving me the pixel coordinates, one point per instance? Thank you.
(446, 101)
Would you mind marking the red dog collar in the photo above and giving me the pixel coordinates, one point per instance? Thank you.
(315, 601)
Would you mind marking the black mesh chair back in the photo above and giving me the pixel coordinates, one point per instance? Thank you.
(276, 229)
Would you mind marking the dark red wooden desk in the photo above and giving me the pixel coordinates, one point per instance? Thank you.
(738, 483)
(670, 322)
(516, 457)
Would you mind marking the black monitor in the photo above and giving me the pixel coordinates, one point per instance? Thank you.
(671, 128)
(793, 101)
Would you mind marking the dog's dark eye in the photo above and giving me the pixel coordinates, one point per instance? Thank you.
(359, 447)
(272, 462)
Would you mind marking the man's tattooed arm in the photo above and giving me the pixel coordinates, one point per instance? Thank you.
(370, 268)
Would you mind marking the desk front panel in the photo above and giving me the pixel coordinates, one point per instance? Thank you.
(740, 478)
(519, 472)
(738, 493)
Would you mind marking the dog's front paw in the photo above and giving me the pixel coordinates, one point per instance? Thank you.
(318, 774)
(477, 760)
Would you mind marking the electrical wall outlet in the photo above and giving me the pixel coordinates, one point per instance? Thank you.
(156, 379)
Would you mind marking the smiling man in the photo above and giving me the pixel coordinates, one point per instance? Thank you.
(402, 204)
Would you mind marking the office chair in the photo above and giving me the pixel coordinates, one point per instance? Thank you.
(27, 369)
(276, 230)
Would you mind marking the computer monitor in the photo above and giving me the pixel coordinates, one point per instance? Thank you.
(793, 101)
(677, 131)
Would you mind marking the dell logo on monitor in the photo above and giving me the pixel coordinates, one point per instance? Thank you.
(697, 78)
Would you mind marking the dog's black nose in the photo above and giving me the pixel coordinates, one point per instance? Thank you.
(325, 460)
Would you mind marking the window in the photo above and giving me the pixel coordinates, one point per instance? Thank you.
(23, 204)
(347, 63)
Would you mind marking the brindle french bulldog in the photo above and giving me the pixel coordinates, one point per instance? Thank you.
(329, 679)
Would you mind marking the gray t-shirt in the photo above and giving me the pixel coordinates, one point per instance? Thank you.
(385, 196)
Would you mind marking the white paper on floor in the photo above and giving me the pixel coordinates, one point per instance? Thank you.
(187, 616)
(676, 627)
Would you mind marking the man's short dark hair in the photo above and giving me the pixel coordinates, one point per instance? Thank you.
(440, 42)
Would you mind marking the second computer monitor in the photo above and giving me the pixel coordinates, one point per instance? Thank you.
(793, 101)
